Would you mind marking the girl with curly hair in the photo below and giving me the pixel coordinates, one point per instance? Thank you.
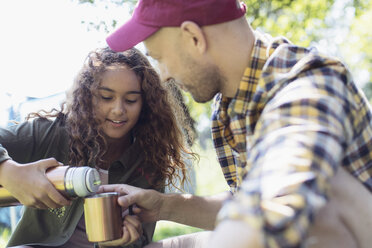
(117, 118)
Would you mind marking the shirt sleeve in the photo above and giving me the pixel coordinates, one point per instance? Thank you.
(297, 145)
(3, 154)
(16, 142)
(26, 142)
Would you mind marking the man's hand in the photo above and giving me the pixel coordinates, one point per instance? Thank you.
(29, 184)
(146, 203)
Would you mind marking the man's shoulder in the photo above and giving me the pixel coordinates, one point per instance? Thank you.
(284, 56)
(286, 63)
(270, 41)
(289, 60)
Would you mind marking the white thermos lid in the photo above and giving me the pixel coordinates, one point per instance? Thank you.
(82, 181)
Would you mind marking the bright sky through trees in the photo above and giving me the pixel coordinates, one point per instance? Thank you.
(43, 44)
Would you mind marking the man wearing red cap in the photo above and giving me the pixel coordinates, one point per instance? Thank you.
(288, 123)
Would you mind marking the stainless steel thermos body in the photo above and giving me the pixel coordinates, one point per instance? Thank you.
(70, 181)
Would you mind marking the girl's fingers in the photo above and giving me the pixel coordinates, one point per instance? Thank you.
(134, 221)
(132, 232)
(136, 210)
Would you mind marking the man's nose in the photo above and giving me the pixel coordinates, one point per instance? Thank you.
(164, 73)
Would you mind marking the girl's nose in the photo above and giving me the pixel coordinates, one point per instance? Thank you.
(119, 108)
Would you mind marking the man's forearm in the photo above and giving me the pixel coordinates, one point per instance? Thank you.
(192, 210)
(237, 234)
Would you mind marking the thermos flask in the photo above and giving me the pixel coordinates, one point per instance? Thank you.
(68, 180)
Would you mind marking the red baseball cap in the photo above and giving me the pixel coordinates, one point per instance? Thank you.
(150, 15)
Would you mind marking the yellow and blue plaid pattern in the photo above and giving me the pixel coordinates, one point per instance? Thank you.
(296, 118)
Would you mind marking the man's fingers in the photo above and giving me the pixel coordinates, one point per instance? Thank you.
(122, 189)
(127, 200)
(107, 188)
(127, 193)
(119, 188)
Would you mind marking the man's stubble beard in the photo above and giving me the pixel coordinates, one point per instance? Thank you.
(205, 82)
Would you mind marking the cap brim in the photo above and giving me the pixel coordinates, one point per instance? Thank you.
(129, 35)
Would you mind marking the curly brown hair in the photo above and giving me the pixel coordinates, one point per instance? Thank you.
(157, 130)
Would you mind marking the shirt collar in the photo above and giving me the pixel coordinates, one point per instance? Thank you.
(263, 48)
(225, 105)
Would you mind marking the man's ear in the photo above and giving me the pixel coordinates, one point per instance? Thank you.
(193, 35)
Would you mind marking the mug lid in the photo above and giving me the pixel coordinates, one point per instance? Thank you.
(102, 195)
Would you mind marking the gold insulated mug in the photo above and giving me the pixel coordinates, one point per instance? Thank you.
(103, 220)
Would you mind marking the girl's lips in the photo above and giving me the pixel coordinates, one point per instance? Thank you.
(117, 123)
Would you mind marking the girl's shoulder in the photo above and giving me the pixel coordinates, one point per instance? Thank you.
(59, 119)
(50, 125)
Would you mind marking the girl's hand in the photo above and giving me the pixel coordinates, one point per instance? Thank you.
(29, 184)
(132, 231)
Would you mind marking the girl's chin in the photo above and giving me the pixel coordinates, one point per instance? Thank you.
(114, 137)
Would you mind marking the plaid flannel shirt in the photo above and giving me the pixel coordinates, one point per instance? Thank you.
(296, 118)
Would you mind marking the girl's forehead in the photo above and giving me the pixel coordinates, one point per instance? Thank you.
(117, 66)
(121, 79)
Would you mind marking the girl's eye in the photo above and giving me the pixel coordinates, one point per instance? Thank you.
(106, 98)
(131, 101)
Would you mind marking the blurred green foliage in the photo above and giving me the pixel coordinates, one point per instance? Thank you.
(298, 20)
(5, 234)
(357, 47)
(166, 229)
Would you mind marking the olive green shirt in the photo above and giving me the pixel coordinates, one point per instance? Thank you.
(41, 138)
